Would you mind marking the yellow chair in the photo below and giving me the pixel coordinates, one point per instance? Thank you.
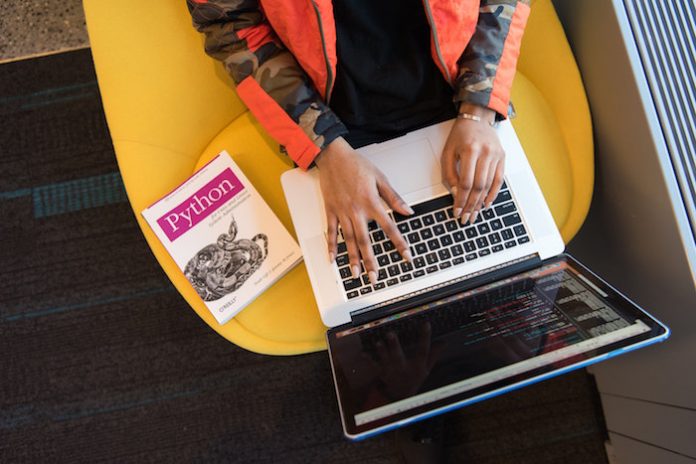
(170, 108)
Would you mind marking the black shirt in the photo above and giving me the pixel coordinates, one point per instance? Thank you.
(387, 83)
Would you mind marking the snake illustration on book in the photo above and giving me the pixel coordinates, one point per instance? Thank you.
(221, 268)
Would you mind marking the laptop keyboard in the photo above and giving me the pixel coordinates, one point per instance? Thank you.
(437, 242)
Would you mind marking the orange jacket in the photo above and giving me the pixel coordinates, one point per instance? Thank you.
(282, 55)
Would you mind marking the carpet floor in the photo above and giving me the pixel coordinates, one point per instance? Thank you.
(102, 360)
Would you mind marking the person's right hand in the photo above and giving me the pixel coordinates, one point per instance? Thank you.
(352, 187)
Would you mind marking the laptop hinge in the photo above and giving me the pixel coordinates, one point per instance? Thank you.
(445, 289)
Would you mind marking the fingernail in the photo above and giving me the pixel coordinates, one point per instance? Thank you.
(465, 218)
(407, 255)
(372, 275)
(453, 191)
(332, 256)
(355, 271)
(457, 212)
(409, 209)
(474, 215)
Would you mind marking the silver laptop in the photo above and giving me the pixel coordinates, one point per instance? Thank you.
(519, 225)
(482, 309)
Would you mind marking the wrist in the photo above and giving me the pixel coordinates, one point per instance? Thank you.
(331, 151)
(486, 114)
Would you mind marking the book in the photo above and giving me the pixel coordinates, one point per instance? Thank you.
(223, 237)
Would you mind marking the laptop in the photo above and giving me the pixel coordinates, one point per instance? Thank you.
(481, 308)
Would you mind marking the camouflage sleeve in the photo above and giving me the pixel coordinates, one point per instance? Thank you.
(487, 66)
(282, 97)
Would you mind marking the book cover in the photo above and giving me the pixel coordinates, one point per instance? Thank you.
(223, 236)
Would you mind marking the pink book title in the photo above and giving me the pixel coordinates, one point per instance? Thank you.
(200, 205)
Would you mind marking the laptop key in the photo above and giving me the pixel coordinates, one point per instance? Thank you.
(446, 240)
(482, 242)
(431, 269)
(426, 234)
(510, 244)
(379, 285)
(458, 260)
(497, 248)
(440, 216)
(458, 236)
(433, 244)
(421, 248)
(503, 196)
(415, 224)
(365, 290)
(451, 226)
(431, 258)
(403, 227)
(496, 224)
(469, 246)
(444, 254)
(471, 232)
(494, 238)
(372, 225)
(393, 270)
(483, 228)
(484, 252)
(405, 277)
(512, 219)
(505, 208)
(471, 256)
(341, 248)
(428, 220)
(519, 230)
(391, 282)
(419, 262)
(406, 266)
(383, 260)
(457, 250)
(445, 265)
(419, 273)
(352, 294)
(344, 272)
(413, 237)
(352, 284)
(342, 260)
(488, 213)
(506, 234)
(381, 274)
(377, 249)
(365, 279)
(438, 229)
(388, 246)
(522, 240)
(378, 236)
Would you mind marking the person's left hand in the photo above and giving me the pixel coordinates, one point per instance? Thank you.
(473, 163)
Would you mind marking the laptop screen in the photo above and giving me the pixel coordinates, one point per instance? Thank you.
(479, 343)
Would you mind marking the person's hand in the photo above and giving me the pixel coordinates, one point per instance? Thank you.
(473, 163)
(352, 187)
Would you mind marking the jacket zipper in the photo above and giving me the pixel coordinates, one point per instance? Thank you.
(429, 14)
(329, 72)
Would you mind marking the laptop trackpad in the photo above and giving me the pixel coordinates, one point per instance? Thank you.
(410, 166)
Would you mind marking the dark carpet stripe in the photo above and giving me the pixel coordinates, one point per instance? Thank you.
(101, 360)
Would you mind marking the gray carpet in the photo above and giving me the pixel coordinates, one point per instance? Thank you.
(102, 360)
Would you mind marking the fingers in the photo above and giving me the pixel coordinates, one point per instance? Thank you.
(393, 199)
(496, 184)
(467, 170)
(351, 245)
(362, 239)
(449, 169)
(331, 230)
(479, 190)
(392, 232)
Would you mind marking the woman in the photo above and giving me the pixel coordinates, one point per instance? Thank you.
(326, 77)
